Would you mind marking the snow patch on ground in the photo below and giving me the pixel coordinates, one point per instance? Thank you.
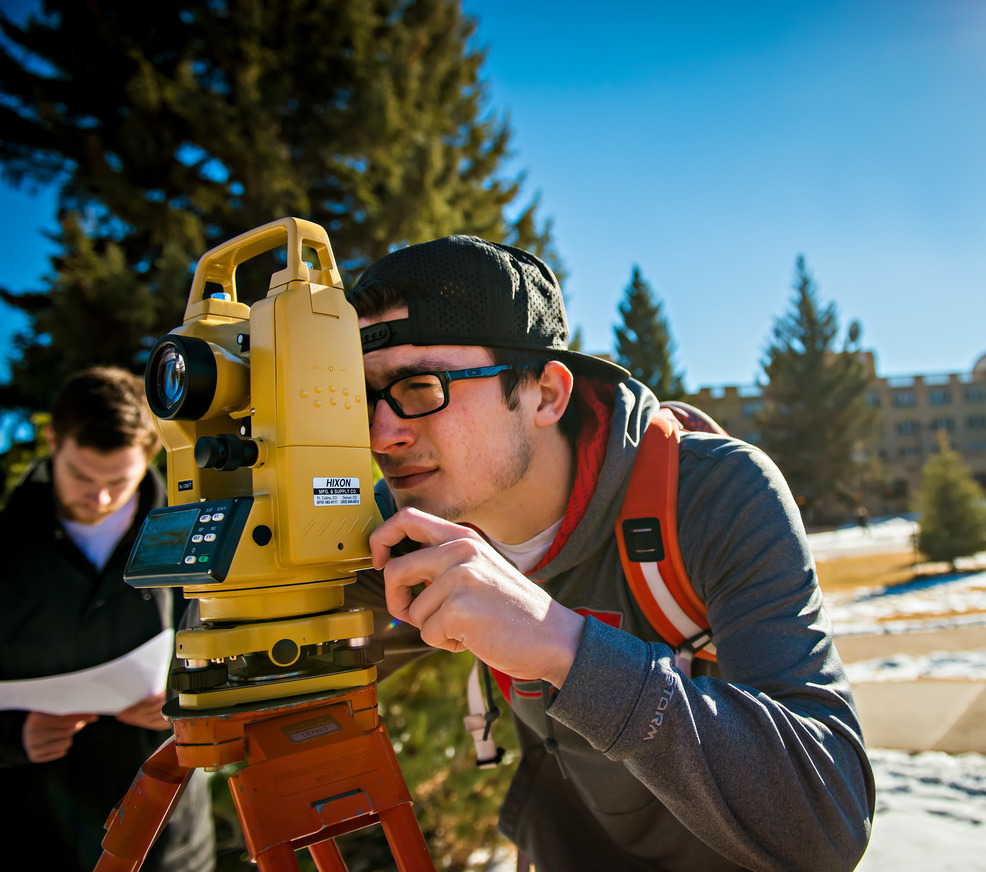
(929, 603)
(930, 813)
(942, 665)
(931, 807)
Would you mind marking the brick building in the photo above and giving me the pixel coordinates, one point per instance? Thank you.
(914, 409)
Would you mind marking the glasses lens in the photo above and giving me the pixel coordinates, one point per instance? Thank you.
(418, 394)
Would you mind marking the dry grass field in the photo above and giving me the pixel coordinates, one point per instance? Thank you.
(867, 570)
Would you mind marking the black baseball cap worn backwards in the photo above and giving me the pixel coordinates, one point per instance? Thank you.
(462, 290)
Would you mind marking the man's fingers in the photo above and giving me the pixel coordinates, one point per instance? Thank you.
(42, 722)
(433, 613)
(400, 582)
(47, 753)
(414, 525)
(423, 567)
(48, 737)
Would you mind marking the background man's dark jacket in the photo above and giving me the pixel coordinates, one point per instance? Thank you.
(59, 614)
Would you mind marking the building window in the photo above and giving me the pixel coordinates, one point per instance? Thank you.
(974, 394)
(907, 428)
(751, 409)
(977, 422)
(910, 451)
(903, 399)
(873, 401)
(946, 424)
(940, 397)
(897, 489)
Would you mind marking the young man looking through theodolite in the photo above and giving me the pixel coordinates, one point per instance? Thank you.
(506, 457)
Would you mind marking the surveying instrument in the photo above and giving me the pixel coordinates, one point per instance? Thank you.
(262, 410)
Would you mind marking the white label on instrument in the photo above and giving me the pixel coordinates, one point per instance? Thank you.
(336, 491)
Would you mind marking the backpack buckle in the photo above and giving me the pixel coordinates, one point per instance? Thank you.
(642, 537)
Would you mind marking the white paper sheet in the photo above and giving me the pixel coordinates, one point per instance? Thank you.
(106, 689)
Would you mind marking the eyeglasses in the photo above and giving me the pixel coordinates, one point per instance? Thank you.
(424, 393)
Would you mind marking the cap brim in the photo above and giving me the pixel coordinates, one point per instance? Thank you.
(593, 367)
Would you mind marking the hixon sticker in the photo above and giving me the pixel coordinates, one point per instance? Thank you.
(336, 491)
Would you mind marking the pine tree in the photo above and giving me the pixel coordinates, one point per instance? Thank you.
(171, 127)
(96, 312)
(815, 422)
(643, 342)
(953, 514)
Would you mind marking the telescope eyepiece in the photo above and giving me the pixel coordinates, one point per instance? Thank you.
(225, 453)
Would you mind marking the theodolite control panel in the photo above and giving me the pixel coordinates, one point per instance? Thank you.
(188, 544)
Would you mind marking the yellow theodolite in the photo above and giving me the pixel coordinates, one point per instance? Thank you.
(262, 411)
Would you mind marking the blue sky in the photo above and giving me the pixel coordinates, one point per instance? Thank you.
(709, 143)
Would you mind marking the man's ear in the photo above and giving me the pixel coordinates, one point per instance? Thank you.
(556, 384)
(51, 439)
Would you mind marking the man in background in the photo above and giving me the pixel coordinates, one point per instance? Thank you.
(66, 533)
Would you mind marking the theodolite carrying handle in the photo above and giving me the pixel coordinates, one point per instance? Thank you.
(218, 266)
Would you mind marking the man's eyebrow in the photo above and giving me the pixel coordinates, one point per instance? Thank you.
(84, 476)
(416, 368)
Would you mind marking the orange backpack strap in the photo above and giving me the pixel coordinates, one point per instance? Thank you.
(647, 535)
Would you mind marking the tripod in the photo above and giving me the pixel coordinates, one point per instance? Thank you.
(316, 767)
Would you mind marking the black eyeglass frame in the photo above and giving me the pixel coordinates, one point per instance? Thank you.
(445, 378)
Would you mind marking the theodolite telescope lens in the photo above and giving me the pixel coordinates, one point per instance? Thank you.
(171, 381)
(181, 378)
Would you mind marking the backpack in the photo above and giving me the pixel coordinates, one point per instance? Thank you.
(647, 537)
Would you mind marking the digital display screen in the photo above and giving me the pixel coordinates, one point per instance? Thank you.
(163, 538)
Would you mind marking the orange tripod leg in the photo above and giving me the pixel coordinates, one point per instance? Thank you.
(136, 822)
(407, 844)
(327, 857)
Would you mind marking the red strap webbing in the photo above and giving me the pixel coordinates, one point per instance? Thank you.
(647, 536)
(649, 515)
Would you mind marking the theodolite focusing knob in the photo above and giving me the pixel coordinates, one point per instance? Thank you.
(225, 452)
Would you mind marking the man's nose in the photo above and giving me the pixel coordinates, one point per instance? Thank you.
(387, 428)
(100, 497)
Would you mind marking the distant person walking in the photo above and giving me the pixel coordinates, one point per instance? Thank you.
(862, 517)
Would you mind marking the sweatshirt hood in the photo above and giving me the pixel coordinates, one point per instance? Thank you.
(633, 407)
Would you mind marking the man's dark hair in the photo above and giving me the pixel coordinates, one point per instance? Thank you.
(104, 408)
(375, 298)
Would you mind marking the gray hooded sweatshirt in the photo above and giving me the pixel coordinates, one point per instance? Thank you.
(632, 765)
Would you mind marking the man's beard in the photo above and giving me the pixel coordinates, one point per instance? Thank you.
(83, 514)
(512, 468)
